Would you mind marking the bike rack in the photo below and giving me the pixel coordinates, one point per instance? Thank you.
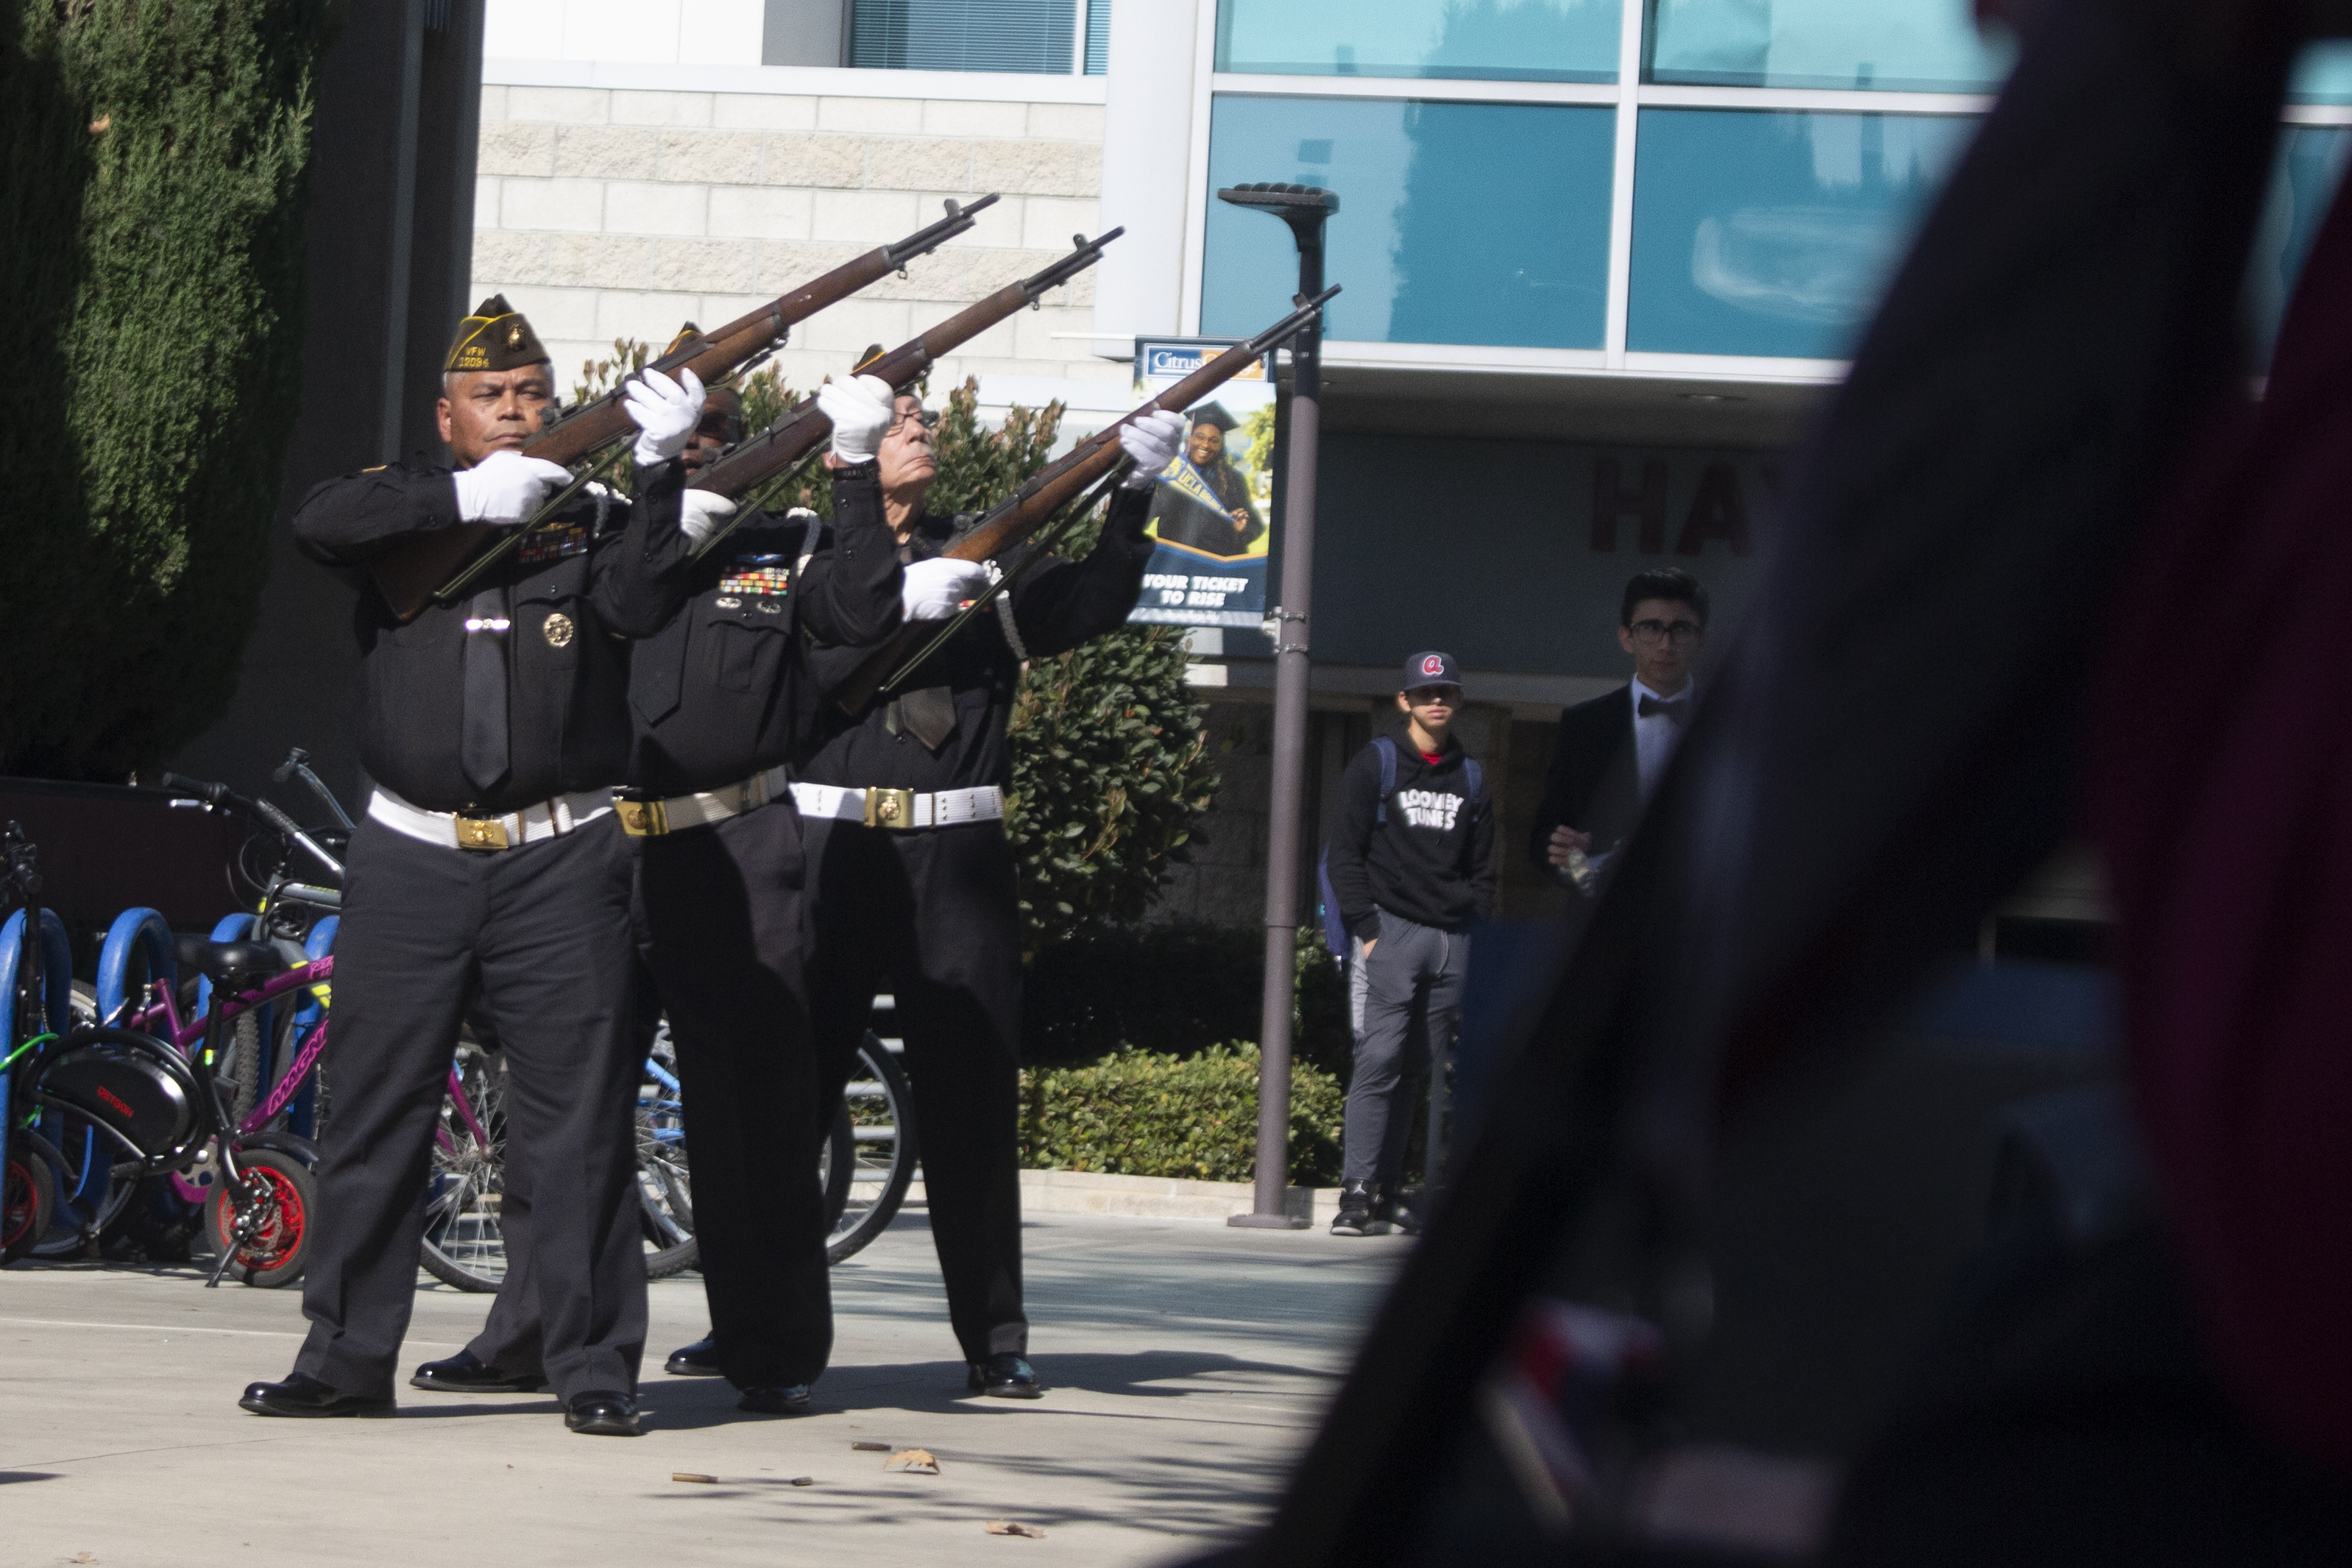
(135, 934)
(57, 974)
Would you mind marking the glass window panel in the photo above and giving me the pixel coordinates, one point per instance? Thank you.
(1502, 40)
(961, 35)
(2310, 166)
(1912, 46)
(1097, 36)
(1773, 233)
(2323, 74)
(1459, 223)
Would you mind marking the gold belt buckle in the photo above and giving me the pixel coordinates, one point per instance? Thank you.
(889, 807)
(481, 833)
(643, 819)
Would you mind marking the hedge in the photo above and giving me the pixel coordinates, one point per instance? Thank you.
(154, 159)
(1137, 1112)
(1174, 987)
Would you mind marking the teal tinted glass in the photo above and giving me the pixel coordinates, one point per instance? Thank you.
(1459, 223)
(1503, 40)
(1097, 36)
(1773, 233)
(2323, 74)
(2310, 167)
(1032, 36)
(1910, 46)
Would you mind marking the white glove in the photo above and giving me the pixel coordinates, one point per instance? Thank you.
(665, 412)
(860, 409)
(506, 487)
(936, 589)
(699, 513)
(1152, 441)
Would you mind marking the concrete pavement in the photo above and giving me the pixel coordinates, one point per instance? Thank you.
(1186, 1364)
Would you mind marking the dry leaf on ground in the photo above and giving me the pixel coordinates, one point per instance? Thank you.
(915, 1461)
(1014, 1527)
(694, 1475)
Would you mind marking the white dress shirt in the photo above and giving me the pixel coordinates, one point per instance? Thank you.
(1655, 737)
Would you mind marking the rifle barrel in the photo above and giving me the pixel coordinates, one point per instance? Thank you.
(803, 427)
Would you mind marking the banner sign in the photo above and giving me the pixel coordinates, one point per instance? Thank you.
(1212, 506)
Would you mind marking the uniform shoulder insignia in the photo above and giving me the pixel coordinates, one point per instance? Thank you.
(377, 469)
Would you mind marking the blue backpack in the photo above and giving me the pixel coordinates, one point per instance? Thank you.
(1335, 930)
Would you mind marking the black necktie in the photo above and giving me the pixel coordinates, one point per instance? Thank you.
(482, 746)
(1677, 712)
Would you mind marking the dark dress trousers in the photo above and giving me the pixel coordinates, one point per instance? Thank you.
(931, 914)
(718, 695)
(537, 935)
(1593, 785)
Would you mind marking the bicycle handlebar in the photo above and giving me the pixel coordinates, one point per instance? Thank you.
(216, 795)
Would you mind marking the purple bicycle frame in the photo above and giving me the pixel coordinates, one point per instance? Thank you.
(186, 1037)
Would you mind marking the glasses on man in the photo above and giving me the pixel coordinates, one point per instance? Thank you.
(922, 416)
(1680, 633)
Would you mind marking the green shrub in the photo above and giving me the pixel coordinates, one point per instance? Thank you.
(1174, 987)
(1110, 772)
(153, 164)
(1136, 1113)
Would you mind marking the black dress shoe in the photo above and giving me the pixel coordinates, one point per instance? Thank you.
(781, 1399)
(699, 1359)
(1005, 1376)
(302, 1395)
(601, 1413)
(466, 1373)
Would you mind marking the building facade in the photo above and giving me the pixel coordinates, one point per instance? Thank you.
(1601, 258)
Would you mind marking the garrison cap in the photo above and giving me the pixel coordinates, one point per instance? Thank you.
(496, 337)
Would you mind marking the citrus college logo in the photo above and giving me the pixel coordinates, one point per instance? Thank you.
(1432, 665)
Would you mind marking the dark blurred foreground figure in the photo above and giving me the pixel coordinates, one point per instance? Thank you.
(2064, 331)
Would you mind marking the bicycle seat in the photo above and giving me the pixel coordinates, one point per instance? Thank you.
(222, 963)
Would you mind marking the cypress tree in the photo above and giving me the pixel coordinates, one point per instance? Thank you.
(152, 181)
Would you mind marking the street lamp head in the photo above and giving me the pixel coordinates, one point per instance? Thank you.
(1303, 208)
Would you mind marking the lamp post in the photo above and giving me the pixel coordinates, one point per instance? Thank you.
(1305, 208)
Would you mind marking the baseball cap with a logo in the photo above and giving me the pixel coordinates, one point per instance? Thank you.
(1431, 669)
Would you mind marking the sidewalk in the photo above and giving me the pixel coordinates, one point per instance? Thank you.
(1186, 1364)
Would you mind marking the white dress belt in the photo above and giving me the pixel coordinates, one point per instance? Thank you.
(466, 831)
(644, 819)
(901, 807)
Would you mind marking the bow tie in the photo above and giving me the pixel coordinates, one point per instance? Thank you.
(1677, 712)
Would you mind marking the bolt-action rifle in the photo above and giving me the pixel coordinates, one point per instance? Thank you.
(407, 574)
(1046, 493)
(802, 429)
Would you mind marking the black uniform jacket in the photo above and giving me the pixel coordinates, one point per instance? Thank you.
(721, 693)
(611, 572)
(1056, 605)
(1593, 786)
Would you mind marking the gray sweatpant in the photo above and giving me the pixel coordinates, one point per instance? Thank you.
(1403, 1000)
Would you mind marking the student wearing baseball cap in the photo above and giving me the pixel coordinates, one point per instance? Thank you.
(1411, 867)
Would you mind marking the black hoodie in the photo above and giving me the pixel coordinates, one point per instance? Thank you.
(1431, 861)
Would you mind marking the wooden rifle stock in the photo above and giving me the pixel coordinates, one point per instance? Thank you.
(801, 428)
(1057, 484)
(410, 575)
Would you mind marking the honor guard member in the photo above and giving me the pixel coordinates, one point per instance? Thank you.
(720, 709)
(904, 806)
(490, 868)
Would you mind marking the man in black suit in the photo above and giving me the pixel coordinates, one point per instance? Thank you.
(1613, 749)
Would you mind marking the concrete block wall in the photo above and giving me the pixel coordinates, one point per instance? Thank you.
(611, 211)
